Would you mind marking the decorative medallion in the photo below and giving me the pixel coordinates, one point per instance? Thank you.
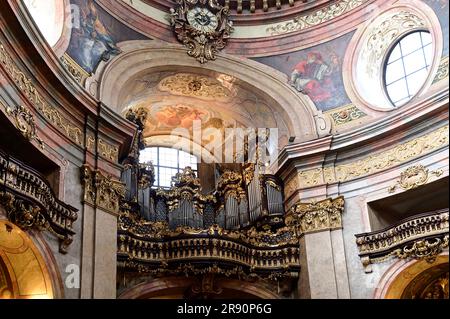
(193, 85)
(203, 26)
(414, 177)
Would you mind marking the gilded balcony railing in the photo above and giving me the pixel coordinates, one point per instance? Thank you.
(30, 202)
(421, 237)
(154, 247)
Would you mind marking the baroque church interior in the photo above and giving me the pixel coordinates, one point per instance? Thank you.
(216, 149)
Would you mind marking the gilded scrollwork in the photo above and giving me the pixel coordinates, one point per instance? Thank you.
(101, 190)
(109, 192)
(230, 185)
(248, 172)
(195, 85)
(24, 122)
(138, 116)
(203, 26)
(414, 177)
(346, 115)
(76, 71)
(311, 177)
(90, 142)
(426, 249)
(309, 20)
(317, 216)
(152, 246)
(186, 186)
(30, 203)
(140, 228)
(108, 151)
(27, 87)
(377, 162)
(22, 213)
(418, 237)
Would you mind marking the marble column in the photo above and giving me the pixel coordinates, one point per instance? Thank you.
(99, 257)
(324, 272)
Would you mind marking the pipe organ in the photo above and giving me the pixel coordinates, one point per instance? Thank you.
(239, 229)
(243, 197)
(184, 204)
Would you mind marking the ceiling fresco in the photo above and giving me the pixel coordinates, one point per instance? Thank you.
(176, 100)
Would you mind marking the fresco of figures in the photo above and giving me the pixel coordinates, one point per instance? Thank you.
(316, 72)
(95, 35)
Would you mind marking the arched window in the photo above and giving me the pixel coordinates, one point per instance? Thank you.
(167, 162)
(407, 67)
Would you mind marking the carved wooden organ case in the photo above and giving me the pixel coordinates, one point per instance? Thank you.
(238, 229)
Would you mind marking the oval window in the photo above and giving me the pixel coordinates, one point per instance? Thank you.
(407, 67)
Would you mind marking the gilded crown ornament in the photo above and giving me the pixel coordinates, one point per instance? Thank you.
(203, 26)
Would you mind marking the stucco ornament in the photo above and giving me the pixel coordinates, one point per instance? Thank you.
(203, 26)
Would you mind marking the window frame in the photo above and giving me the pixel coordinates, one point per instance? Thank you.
(157, 165)
(404, 77)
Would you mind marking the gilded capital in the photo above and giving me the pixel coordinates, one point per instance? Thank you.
(317, 216)
(101, 190)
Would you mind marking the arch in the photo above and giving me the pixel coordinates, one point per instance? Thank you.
(184, 144)
(144, 57)
(174, 287)
(397, 278)
(29, 273)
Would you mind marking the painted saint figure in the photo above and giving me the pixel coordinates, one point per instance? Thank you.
(94, 41)
(312, 77)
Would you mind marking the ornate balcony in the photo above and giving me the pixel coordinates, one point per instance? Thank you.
(30, 202)
(420, 237)
(153, 247)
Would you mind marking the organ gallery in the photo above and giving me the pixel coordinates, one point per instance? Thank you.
(224, 149)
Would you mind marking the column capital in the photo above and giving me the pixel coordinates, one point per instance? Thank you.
(317, 216)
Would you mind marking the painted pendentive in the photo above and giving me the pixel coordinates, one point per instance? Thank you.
(95, 35)
(440, 7)
(316, 72)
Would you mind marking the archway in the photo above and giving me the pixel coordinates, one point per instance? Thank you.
(182, 287)
(23, 271)
(143, 61)
(415, 280)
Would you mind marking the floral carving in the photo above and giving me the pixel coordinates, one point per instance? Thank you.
(24, 122)
(101, 191)
(195, 86)
(317, 216)
(414, 177)
(202, 26)
(24, 84)
(376, 162)
(318, 17)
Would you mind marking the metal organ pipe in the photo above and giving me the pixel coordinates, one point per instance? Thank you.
(274, 200)
(254, 197)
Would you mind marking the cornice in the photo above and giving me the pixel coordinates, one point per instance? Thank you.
(245, 41)
(51, 84)
(28, 32)
(401, 125)
(398, 120)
